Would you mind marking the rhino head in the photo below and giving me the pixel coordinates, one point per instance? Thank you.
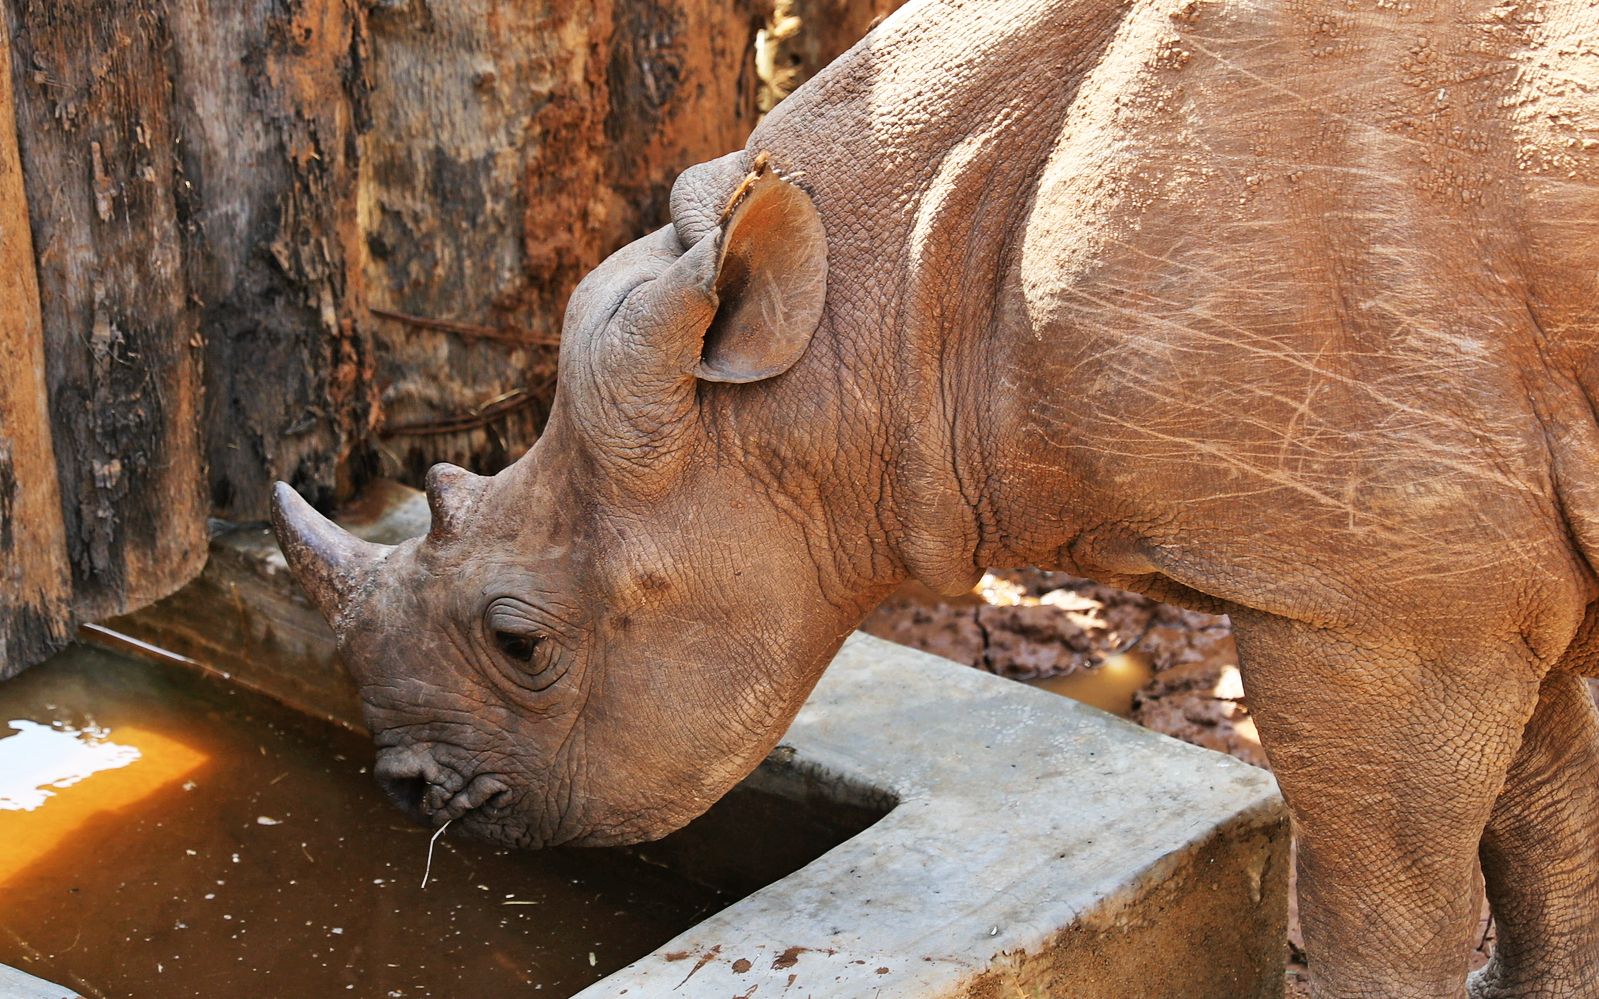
(595, 644)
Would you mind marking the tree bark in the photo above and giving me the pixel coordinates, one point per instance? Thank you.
(513, 147)
(269, 103)
(35, 579)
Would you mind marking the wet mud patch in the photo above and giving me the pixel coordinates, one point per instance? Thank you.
(1171, 670)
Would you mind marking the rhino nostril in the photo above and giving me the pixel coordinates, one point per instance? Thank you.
(405, 775)
(481, 791)
(434, 798)
(414, 780)
(406, 792)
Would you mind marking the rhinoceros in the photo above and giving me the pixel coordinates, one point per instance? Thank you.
(1282, 310)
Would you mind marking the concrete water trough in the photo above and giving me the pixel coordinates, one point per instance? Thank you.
(1027, 845)
(1036, 847)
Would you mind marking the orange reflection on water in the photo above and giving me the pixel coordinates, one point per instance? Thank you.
(72, 792)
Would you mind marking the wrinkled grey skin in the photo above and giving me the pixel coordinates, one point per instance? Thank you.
(1280, 310)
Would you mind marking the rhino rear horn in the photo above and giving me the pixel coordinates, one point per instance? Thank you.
(331, 564)
(452, 491)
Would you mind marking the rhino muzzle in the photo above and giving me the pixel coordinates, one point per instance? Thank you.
(430, 793)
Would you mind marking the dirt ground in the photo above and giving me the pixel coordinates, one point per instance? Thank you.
(1170, 670)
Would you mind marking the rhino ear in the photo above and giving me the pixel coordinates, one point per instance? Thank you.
(767, 281)
(770, 286)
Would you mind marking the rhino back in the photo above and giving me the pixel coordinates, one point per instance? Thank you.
(1254, 282)
(1302, 268)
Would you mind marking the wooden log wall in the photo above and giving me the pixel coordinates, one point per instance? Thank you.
(540, 137)
(270, 107)
(35, 584)
(315, 240)
(119, 340)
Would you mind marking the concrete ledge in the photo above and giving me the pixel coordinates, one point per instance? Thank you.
(16, 984)
(1038, 848)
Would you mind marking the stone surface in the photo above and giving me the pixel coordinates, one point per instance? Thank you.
(1038, 847)
(16, 984)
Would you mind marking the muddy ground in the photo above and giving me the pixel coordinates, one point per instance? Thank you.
(1171, 670)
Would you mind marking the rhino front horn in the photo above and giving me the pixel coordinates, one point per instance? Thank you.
(330, 563)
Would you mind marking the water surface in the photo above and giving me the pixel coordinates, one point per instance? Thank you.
(167, 834)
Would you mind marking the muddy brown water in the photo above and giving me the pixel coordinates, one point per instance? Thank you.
(1109, 686)
(163, 833)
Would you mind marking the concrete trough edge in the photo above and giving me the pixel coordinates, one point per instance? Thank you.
(1021, 818)
(15, 984)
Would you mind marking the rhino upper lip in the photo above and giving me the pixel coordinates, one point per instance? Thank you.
(445, 800)
(419, 784)
(484, 789)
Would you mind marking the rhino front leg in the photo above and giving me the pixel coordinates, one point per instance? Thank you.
(1540, 854)
(1390, 758)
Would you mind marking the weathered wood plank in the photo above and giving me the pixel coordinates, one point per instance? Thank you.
(269, 100)
(122, 348)
(537, 138)
(35, 580)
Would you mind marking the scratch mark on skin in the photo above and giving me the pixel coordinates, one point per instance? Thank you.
(1315, 105)
(762, 160)
(1284, 481)
(1308, 365)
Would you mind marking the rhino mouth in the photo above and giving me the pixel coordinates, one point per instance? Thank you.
(433, 794)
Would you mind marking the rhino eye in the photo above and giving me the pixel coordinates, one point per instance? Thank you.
(516, 645)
